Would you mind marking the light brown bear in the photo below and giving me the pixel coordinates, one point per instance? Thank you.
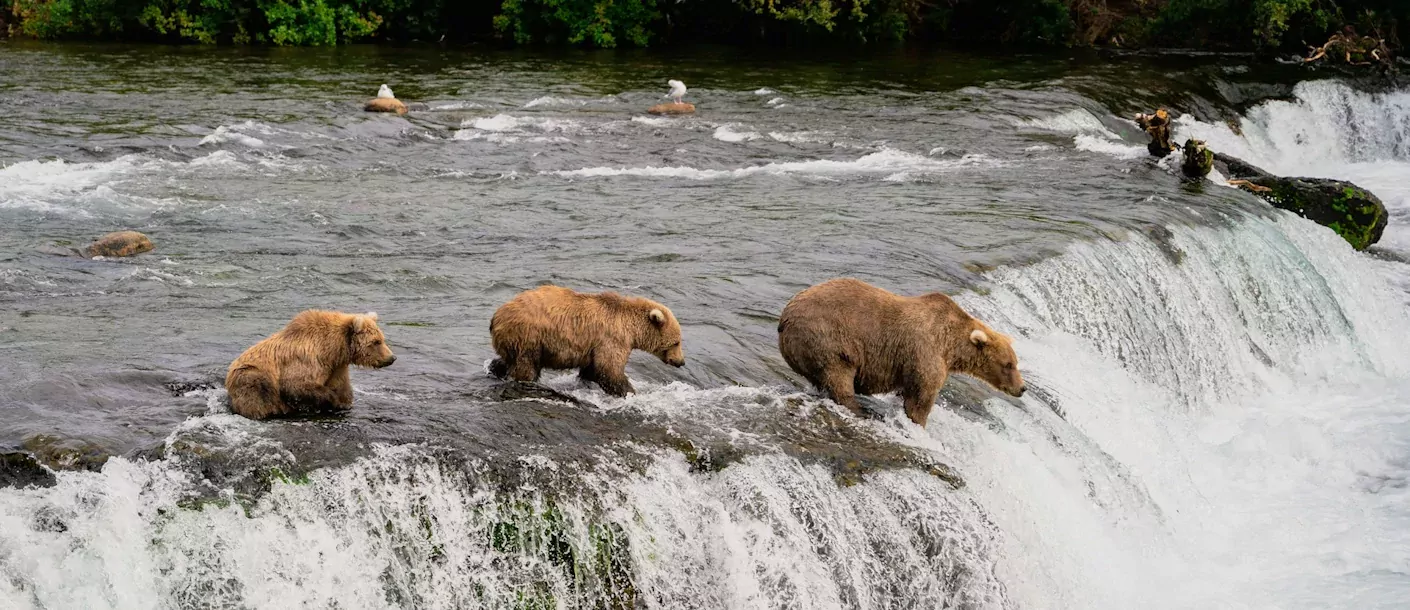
(848, 337)
(551, 327)
(304, 367)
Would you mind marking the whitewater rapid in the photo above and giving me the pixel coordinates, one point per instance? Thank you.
(1221, 421)
(1329, 130)
(1219, 414)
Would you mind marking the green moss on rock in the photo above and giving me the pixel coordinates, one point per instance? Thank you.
(1356, 214)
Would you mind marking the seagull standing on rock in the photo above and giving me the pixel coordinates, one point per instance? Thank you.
(677, 90)
(385, 93)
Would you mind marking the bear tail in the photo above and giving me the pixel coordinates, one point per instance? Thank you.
(253, 394)
(498, 368)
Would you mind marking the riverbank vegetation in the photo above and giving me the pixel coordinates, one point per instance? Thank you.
(1270, 25)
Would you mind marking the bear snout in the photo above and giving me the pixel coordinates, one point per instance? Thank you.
(676, 362)
(1021, 390)
(387, 362)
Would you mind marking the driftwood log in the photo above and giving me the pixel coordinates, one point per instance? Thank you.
(1353, 49)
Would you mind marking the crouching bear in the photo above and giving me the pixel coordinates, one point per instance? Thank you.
(304, 367)
(848, 337)
(556, 328)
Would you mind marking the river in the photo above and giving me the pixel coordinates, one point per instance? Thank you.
(1220, 414)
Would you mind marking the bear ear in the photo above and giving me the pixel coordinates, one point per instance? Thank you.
(360, 322)
(979, 337)
(657, 317)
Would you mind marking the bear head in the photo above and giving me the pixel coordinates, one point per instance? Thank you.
(367, 344)
(994, 361)
(663, 339)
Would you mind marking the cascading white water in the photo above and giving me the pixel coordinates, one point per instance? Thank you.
(404, 530)
(1234, 433)
(1237, 425)
(1329, 131)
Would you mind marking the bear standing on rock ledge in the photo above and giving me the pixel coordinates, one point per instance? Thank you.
(304, 367)
(848, 337)
(551, 327)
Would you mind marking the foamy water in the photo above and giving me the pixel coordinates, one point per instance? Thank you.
(1328, 131)
(889, 162)
(1219, 392)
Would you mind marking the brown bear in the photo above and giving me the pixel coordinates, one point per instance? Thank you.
(304, 367)
(557, 328)
(848, 337)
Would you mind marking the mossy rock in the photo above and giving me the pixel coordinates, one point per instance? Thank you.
(64, 453)
(1197, 159)
(1356, 214)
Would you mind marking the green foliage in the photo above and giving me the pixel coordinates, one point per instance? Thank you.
(69, 18)
(305, 24)
(597, 23)
(816, 13)
(1284, 24)
(353, 25)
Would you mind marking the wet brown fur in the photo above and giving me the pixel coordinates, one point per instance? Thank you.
(551, 327)
(303, 368)
(848, 337)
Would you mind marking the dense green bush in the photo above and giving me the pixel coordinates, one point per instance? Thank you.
(1259, 24)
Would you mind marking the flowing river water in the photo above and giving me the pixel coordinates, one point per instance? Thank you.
(1220, 414)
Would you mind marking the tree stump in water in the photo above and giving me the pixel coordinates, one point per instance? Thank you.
(385, 104)
(1197, 160)
(672, 108)
(119, 244)
(1157, 126)
(1356, 214)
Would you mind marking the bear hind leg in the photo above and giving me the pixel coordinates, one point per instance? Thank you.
(253, 394)
(839, 383)
(524, 367)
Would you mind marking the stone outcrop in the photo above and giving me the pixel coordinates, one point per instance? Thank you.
(1353, 212)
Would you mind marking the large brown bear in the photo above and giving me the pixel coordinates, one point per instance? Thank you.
(848, 337)
(551, 327)
(304, 367)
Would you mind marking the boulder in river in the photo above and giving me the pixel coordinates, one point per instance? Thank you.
(119, 244)
(1197, 160)
(385, 104)
(1353, 212)
(20, 469)
(672, 108)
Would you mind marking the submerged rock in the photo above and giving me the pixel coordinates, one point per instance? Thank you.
(672, 108)
(119, 244)
(1198, 160)
(385, 104)
(20, 469)
(60, 453)
(1356, 214)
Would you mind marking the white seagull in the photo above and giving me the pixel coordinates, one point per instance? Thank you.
(677, 90)
(385, 93)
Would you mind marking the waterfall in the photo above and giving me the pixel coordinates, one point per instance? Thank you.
(1217, 419)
